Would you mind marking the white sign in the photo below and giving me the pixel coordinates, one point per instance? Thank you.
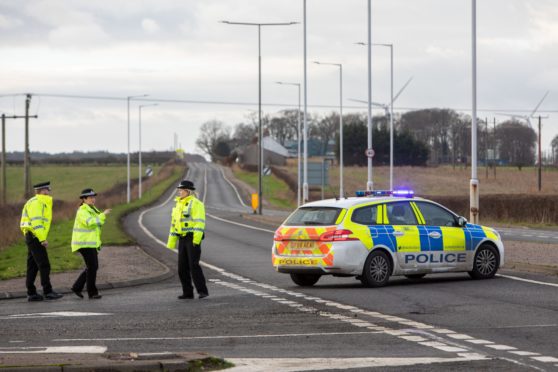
(369, 153)
(149, 172)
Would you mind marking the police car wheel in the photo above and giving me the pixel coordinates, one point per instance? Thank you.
(415, 276)
(305, 280)
(486, 263)
(377, 270)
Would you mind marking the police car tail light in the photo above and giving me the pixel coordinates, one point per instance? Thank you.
(278, 237)
(337, 235)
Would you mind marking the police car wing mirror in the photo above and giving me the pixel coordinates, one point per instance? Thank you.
(462, 221)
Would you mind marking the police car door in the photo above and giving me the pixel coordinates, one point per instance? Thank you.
(409, 242)
(446, 238)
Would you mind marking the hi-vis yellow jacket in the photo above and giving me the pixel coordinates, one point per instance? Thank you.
(188, 216)
(37, 216)
(87, 228)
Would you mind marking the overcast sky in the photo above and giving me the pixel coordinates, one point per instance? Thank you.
(177, 49)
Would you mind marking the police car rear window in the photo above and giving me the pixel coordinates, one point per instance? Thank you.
(313, 216)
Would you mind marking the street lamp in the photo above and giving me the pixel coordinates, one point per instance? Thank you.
(297, 138)
(128, 156)
(139, 151)
(474, 183)
(260, 152)
(390, 113)
(341, 194)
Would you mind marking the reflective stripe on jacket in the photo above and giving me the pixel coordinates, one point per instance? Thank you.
(36, 216)
(188, 216)
(87, 228)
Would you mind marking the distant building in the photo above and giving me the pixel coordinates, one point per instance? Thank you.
(274, 153)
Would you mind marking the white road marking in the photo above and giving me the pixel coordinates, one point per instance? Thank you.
(118, 339)
(528, 280)
(501, 347)
(545, 359)
(55, 314)
(233, 186)
(54, 349)
(316, 364)
(524, 353)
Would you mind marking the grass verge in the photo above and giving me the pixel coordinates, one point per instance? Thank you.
(274, 190)
(13, 258)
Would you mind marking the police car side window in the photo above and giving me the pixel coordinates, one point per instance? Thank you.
(436, 216)
(400, 213)
(365, 215)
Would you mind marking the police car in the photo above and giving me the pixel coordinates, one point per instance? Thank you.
(379, 234)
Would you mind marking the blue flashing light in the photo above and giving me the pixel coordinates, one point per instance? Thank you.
(362, 193)
(405, 193)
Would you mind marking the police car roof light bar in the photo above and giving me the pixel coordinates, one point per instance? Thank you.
(362, 193)
(406, 193)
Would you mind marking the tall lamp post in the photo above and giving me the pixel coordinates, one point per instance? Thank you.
(260, 152)
(390, 110)
(297, 140)
(128, 155)
(474, 183)
(139, 151)
(341, 191)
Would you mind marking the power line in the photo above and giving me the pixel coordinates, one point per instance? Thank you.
(237, 103)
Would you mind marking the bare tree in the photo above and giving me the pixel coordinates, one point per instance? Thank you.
(516, 143)
(211, 133)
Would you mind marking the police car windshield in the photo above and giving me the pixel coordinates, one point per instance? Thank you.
(313, 216)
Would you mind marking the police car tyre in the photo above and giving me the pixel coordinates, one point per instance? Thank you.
(305, 280)
(415, 276)
(377, 269)
(486, 262)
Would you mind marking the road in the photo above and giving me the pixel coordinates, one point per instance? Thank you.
(259, 319)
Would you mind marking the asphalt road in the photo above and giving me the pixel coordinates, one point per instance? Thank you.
(259, 319)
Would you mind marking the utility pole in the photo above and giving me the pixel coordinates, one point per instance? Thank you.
(26, 173)
(486, 147)
(494, 146)
(26, 156)
(3, 158)
(540, 158)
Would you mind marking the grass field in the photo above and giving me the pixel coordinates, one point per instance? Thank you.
(442, 180)
(67, 181)
(13, 257)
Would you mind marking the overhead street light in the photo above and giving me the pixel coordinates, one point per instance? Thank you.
(128, 156)
(260, 145)
(341, 191)
(139, 151)
(474, 183)
(298, 193)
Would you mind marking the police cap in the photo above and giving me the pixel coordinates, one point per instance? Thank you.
(42, 185)
(87, 192)
(187, 185)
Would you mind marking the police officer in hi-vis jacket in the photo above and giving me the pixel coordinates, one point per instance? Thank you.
(187, 229)
(36, 218)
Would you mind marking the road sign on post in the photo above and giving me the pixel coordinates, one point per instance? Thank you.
(369, 153)
(148, 172)
(266, 171)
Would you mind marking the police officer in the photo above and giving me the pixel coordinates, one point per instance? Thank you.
(187, 228)
(86, 239)
(36, 218)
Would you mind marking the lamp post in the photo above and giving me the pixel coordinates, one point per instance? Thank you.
(297, 140)
(390, 111)
(128, 155)
(474, 183)
(341, 192)
(260, 152)
(139, 151)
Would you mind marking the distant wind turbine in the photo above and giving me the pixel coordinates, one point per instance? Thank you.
(385, 106)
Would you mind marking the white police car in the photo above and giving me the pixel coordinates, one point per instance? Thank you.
(379, 234)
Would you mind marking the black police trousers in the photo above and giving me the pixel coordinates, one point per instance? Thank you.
(37, 261)
(189, 266)
(89, 275)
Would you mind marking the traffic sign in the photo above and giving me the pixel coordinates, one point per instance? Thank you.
(149, 172)
(369, 153)
(266, 171)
